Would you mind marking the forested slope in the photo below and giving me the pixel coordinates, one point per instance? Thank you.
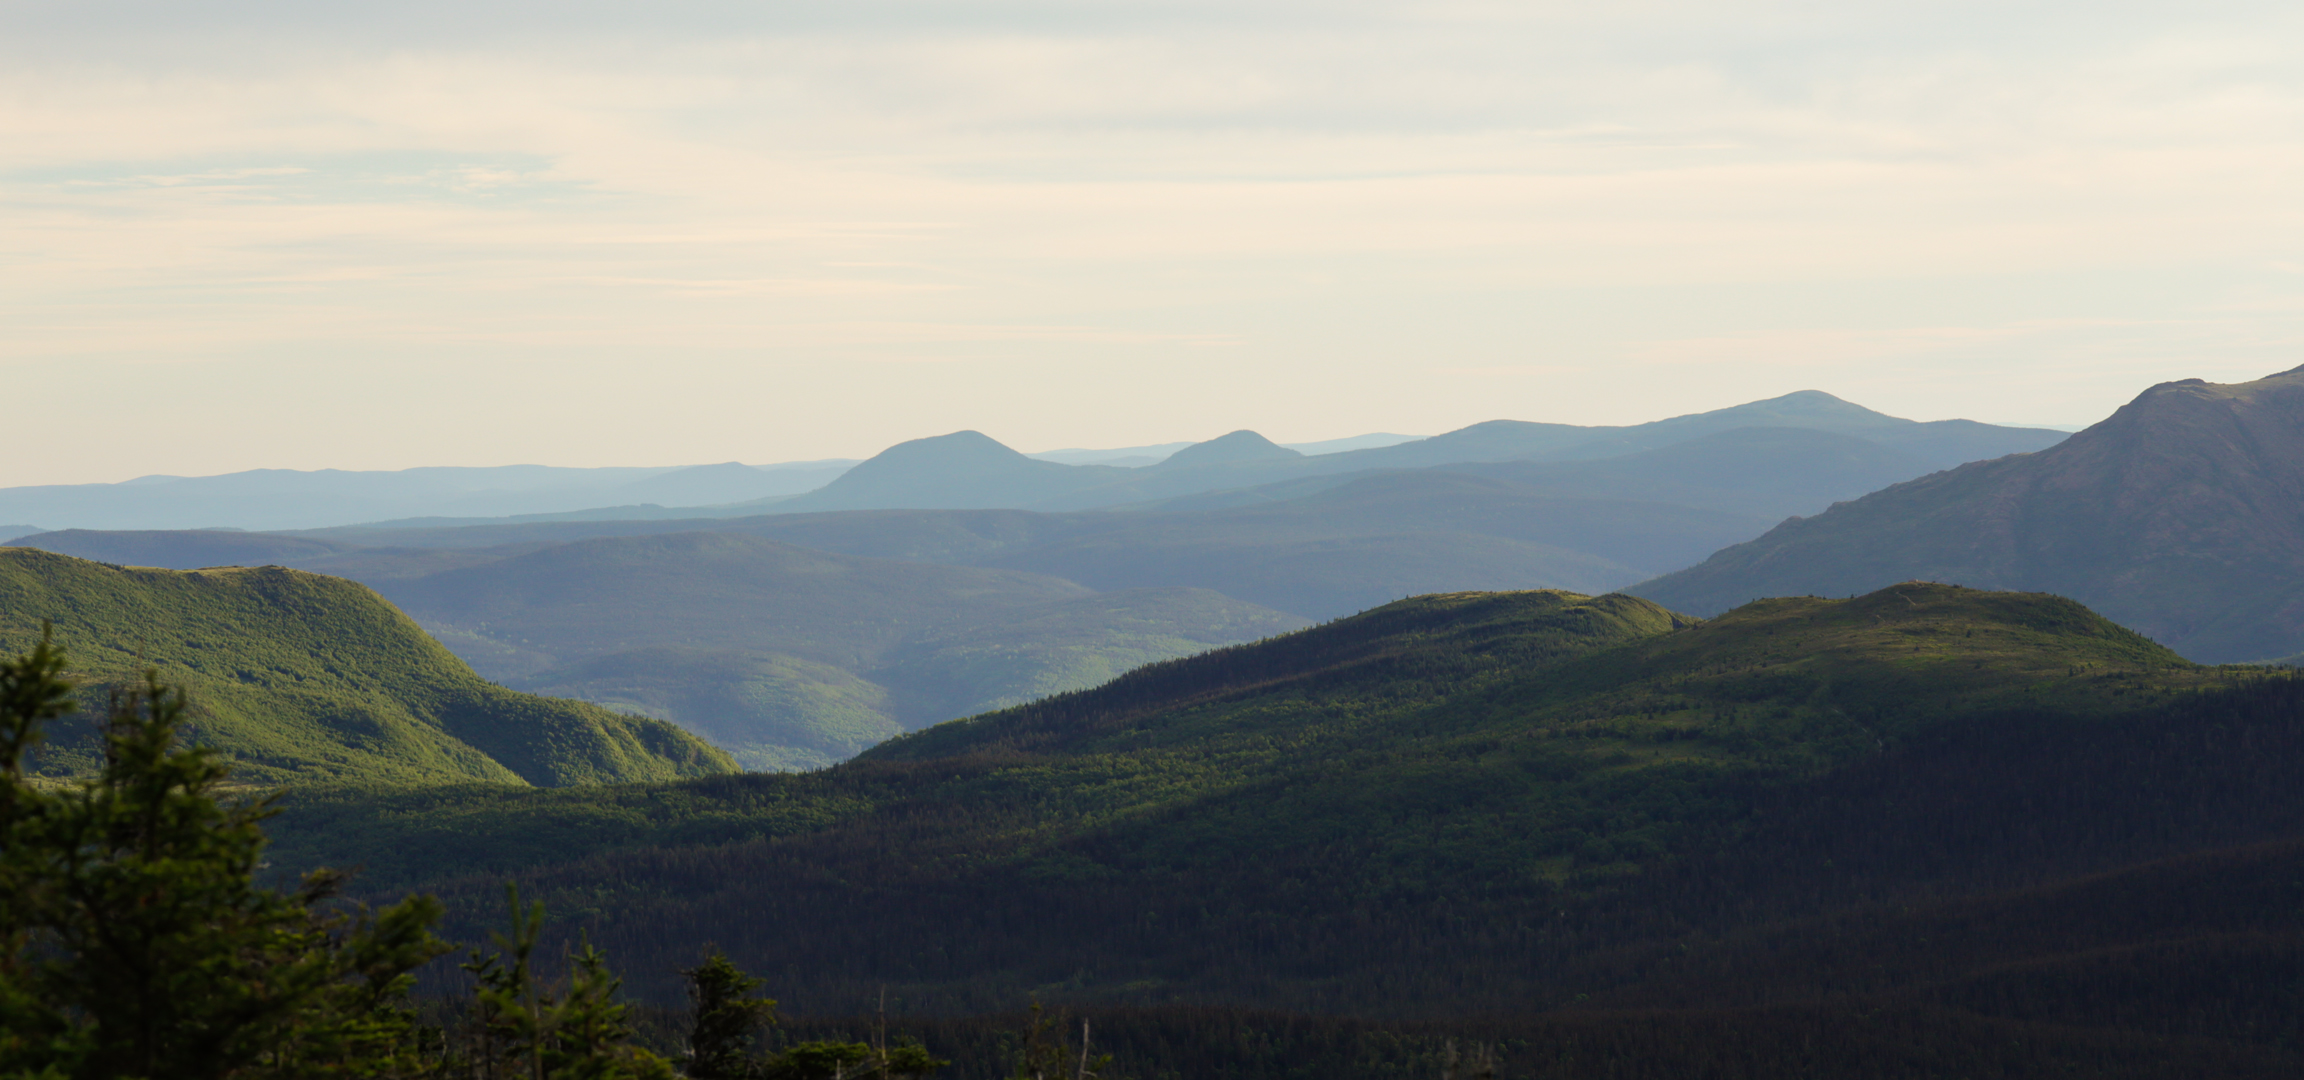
(303, 678)
(1453, 803)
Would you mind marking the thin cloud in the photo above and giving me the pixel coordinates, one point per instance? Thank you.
(1319, 204)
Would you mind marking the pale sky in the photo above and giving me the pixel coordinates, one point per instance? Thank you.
(322, 235)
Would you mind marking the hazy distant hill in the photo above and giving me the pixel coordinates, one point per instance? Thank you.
(787, 654)
(2182, 515)
(1375, 539)
(717, 590)
(923, 535)
(1133, 456)
(1938, 444)
(291, 499)
(1759, 475)
(1932, 445)
(789, 657)
(1764, 472)
(301, 677)
(793, 657)
(186, 549)
(961, 471)
(1330, 547)
(968, 470)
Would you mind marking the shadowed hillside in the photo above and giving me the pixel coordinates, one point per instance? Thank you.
(1535, 795)
(2182, 515)
(301, 677)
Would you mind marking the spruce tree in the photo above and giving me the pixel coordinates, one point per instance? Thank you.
(135, 940)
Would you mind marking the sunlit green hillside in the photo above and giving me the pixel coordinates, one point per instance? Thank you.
(306, 678)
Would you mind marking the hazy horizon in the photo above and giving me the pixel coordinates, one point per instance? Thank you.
(1063, 455)
(255, 234)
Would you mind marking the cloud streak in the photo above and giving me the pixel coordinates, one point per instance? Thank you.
(1116, 222)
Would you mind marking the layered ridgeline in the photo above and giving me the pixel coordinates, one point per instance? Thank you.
(1452, 803)
(293, 499)
(2182, 515)
(808, 656)
(784, 656)
(969, 470)
(305, 678)
(790, 657)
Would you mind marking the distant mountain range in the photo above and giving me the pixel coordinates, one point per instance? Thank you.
(2181, 515)
(912, 589)
(1133, 456)
(969, 470)
(964, 470)
(272, 499)
(290, 499)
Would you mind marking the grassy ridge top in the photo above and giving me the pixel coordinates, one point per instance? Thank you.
(1419, 649)
(1918, 649)
(301, 677)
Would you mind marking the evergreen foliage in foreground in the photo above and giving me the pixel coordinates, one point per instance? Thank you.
(136, 942)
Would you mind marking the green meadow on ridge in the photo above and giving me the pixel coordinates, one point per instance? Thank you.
(302, 678)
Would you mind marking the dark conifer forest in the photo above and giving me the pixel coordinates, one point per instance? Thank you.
(1926, 832)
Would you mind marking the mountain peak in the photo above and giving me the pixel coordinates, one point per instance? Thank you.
(1238, 446)
(1811, 405)
(965, 470)
(959, 446)
(2176, 516)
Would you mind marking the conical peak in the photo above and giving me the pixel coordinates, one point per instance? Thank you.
(959, 446)
(1242, 445)
(1807, 403)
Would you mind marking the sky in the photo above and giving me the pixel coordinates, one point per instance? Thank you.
(324, 235)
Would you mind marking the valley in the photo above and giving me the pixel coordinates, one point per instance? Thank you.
(946, 577)
(1267, 761)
